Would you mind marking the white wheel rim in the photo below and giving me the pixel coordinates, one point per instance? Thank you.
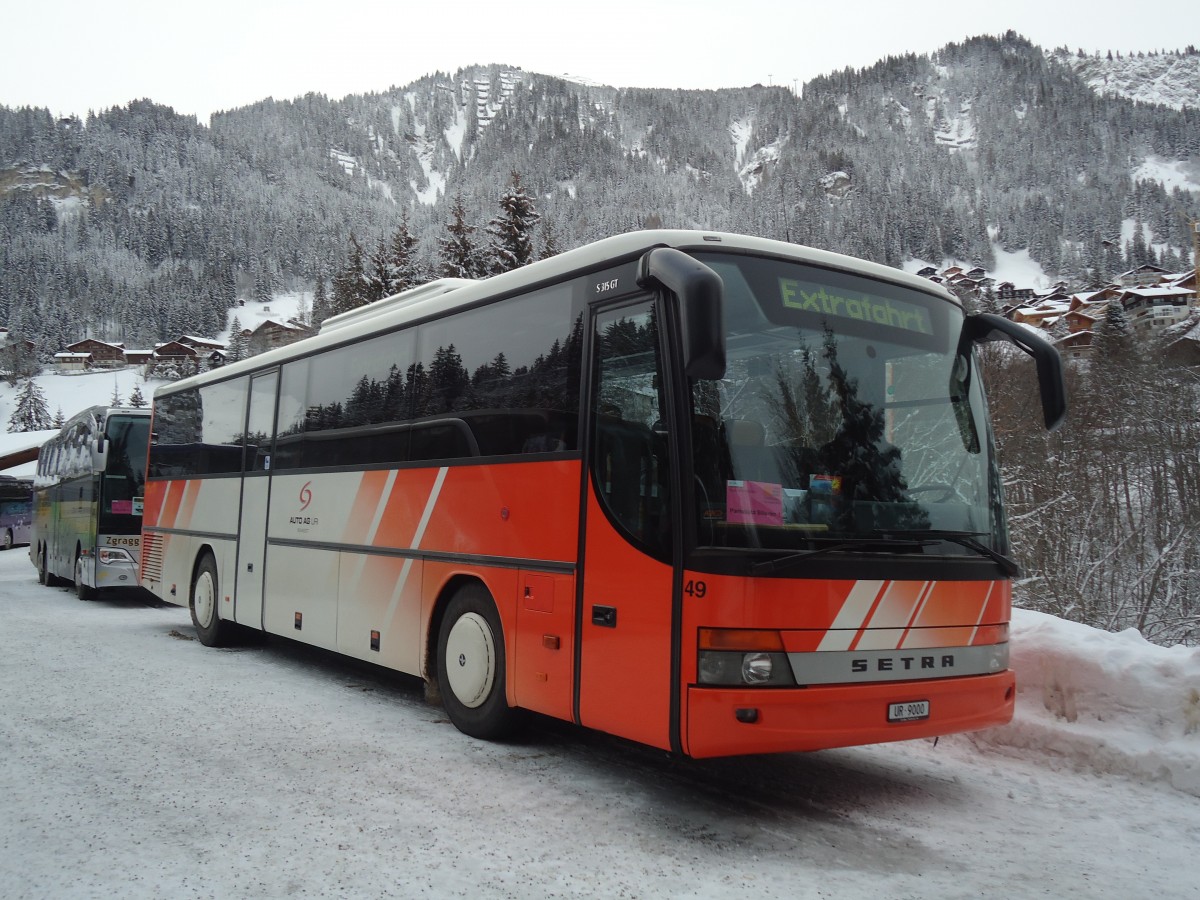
(204, 600)
(470, 660)
(78, 573)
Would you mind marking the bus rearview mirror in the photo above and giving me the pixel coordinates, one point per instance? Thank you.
(699, 290)
(986, 327)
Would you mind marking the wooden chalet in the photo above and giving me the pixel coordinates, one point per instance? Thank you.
(72, 362)
(1075, 345)
(1151, 309)
(1008, 291)
(174, 355)
(271, 334)
(103, 354)
(1143, 276)
(202, 345)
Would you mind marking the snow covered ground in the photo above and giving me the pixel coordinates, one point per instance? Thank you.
(137, 763)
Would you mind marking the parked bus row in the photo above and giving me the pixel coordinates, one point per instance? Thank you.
(712, 493)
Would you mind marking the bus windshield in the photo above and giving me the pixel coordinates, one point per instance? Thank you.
(124, 474)
(848, 414)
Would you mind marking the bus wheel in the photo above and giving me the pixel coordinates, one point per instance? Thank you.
(82, 591)
(203, 602)
(8, 540)
(470, 666)
(44, 576)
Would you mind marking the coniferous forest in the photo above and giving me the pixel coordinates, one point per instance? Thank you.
(138, 224)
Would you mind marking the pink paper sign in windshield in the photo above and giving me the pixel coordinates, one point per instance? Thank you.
(753, 503)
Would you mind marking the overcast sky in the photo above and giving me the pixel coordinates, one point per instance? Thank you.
(73, 56)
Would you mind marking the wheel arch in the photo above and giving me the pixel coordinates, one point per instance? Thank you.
(79, 554)
(205, 549)
(449, 588)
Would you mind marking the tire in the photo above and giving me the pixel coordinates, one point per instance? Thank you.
(82, 591)
(44, 575)
(8, 539)
(470, 666)
(203, 600)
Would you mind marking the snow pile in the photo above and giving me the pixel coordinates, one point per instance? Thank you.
(1112, 703)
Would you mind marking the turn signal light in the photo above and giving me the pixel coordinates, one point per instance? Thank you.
(768, 641)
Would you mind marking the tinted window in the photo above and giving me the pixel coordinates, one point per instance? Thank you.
(497, 381)
(509, 372)
(260, 423)
(199, 431)
(349, 406)
(630, 455)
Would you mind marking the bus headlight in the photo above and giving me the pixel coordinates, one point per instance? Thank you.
(743, 658)
(753, 669)
(756, 668)
(109, 555)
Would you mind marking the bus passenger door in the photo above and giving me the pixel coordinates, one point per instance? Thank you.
(258, 445)
(624, 663)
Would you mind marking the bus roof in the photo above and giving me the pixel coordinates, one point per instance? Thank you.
(446, 295)
(97, 415)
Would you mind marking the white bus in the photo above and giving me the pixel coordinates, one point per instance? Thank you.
(88, 495)
(712, 493)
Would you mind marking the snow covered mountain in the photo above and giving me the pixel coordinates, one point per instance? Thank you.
(140, 224)
(1171, 79)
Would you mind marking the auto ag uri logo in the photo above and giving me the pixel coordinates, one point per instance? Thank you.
(305, 499)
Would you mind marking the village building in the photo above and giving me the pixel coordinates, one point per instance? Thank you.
(271, 334)
(1154, 299)
(72, 362)
(103, 354)
(1152, 309)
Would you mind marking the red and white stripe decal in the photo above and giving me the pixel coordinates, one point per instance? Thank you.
(891, 615)
(430, 505)
(859, 603)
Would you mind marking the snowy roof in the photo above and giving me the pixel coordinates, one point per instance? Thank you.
(1158, 292)
(97, 341)
(200, 341)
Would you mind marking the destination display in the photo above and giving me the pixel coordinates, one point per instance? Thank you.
(809, 296)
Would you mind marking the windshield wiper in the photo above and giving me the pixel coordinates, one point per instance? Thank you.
(893, 541)
(880, 542)
(968, 539)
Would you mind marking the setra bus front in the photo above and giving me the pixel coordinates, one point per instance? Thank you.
(843, 563)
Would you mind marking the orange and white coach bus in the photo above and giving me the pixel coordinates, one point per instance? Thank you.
(716, 494)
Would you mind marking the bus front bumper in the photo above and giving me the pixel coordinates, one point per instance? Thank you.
(735, 721)
(116, 574)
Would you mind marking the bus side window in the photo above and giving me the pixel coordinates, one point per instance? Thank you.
(629, 456)
(260, 423)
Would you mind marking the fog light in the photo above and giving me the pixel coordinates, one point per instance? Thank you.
(757, 668)
(716, 668)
